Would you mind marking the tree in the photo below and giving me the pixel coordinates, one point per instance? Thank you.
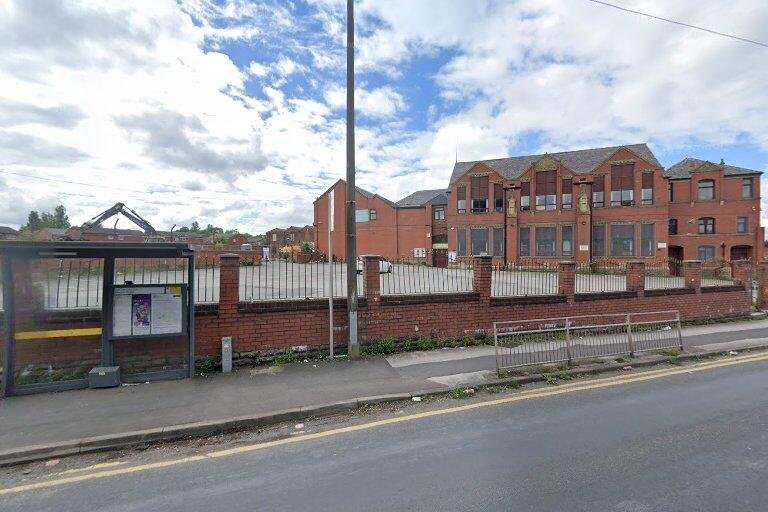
(195, 227)
(37, 221)
(60, 217)
(34, 222)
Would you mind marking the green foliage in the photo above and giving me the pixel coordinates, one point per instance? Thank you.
(306, 248)
(426, 343)
(550, 379)
(208, 364)
(287, 357)
(459, 393)
(37, 221)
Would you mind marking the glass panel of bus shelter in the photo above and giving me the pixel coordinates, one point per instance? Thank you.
(159, 281)
(57, 318)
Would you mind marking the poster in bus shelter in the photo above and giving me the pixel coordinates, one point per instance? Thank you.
(143, 311)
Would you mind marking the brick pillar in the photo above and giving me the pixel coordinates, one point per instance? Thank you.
(692, 274)
(482, 276)
(566, 279)
(762, 297)
(371, 278)
(636, 277)
(229, 295)
(741, 271)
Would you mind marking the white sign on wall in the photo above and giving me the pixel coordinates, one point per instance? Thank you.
(661, 245)
(584, 247)
(419, 252)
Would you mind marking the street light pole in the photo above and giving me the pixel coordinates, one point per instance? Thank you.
(354, 345)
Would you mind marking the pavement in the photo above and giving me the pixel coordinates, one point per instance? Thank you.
(681, 440)
(45, 425)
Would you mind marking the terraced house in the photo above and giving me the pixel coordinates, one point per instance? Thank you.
(605, 203)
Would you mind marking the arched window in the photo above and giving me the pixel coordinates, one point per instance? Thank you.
(706, 226)
(706, 190)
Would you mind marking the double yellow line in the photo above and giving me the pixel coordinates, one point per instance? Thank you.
(517, 397)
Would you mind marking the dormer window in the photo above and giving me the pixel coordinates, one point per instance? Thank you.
(567, 191)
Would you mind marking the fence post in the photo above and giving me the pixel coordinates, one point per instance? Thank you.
(636, 277)
(566, 279)
(372, 279)
(483, 273)
(630, 339)
(762, 293)
(568, 348)
(692, 274)
(496, 349)
(679, 332)
(229, 294)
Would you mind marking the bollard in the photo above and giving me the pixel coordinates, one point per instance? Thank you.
(226, 354)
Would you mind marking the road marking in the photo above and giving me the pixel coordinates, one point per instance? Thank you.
(519, 397)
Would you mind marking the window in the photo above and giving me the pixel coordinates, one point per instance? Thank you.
(706, 226)
(525, 195)
(461, 248)
(372, 215)
(598, 192)
(706, 190)
(546, 241)
(567, 190)
(746, 188)
(622, 240)
(598, 240)
(525, 241)
(567, 241)
(672, 227)
(461, 199)
(439, 213)
(479, 194)
(646, 194)
(498, 242)
(289, 237)
(647, 240)
(623, 185)
(706, 252)
(742, 224)
(671, 191)
(546, 190)
(274, 237)
(498, 197)
(479, 240)
(362, 215)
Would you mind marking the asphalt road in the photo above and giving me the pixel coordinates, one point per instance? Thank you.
(695, 441)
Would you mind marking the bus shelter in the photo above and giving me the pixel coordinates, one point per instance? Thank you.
(68, 307)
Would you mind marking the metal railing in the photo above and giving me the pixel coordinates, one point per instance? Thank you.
(556, 340)
(601, 277)
(409, 278)
(540, 278)
(287, 280)
(72, 283)
(664, 276)
(716, 273)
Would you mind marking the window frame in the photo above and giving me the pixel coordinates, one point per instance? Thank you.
(524, 238)
(747, 182)
(650, 250)
(598, 243)
(372, 215)
(497, 238)
(623, 185)
(359, 214)
(742, 229)
(710, 186)
(633, 245)
(439, 213)
(461, 199)
(498, 198)
(525, 196)
(538, 240)
(566, 184)
(472, 231)
(707, 226)
(546, 182)
(461, 248)
(670, 229)
(706, 247)
(598, 191)
(563, 229)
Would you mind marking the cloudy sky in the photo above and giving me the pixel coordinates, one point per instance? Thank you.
(232, 111)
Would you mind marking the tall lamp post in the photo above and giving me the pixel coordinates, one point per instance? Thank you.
(354, 345)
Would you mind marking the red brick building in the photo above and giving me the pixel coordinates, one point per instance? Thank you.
(411, 229)
(283, 237)
(603, 203)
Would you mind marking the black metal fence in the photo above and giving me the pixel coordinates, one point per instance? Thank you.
(601, 276)
(409, 278)
(523, 280)
(287, 280)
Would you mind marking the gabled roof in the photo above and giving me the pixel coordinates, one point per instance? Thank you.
(423, 197)
(683, 169)
(580, 162)
(5, 230)
(366, 194)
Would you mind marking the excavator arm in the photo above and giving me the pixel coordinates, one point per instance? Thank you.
(130, 214)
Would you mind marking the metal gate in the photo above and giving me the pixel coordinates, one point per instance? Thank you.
(565, 339)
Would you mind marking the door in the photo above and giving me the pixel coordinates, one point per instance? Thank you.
(440, 258)
(675, 260)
